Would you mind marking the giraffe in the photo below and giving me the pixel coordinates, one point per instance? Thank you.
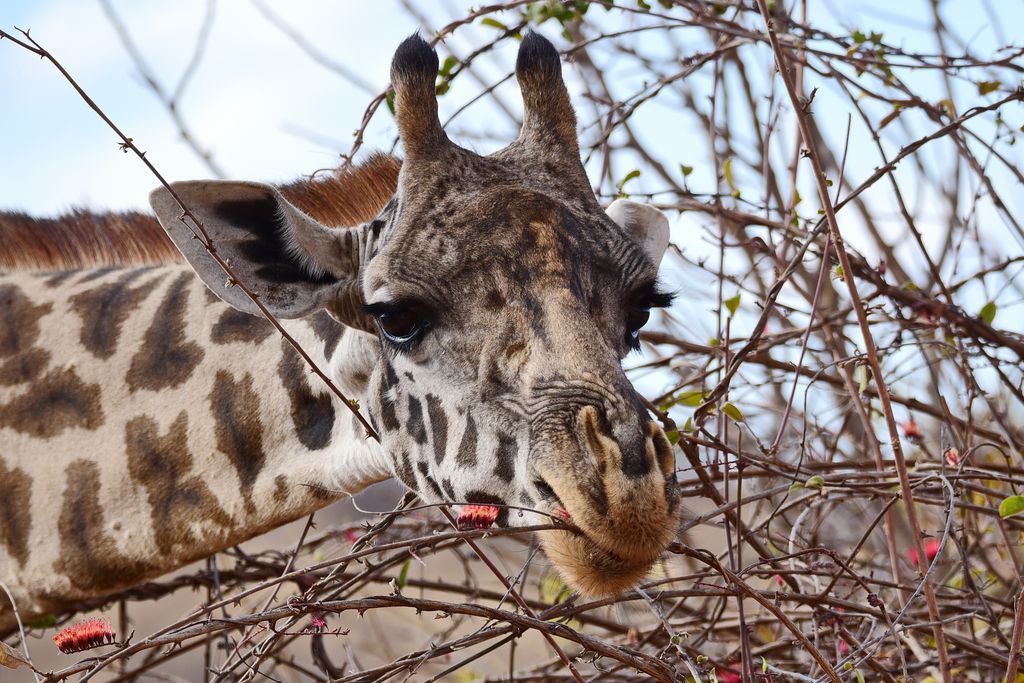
(477, 306)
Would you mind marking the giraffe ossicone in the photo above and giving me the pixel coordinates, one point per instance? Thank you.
(480, 315)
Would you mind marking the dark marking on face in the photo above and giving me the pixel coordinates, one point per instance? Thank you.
(429, 480)
(505, 458)
(388, 411)
(494, 301)
(58, 401)
(103, 311)
(390, 378)
(438, 427)
(236, 410)
(266, 246)
(415, 426)
(635, 461)
(166, 358)
(15, 511)
(449, 490)
(404, 471)
(163, 466)
(328, 330)
(280, 489)
(312, 414)
(25, 367)
(483, 498)
(88, 555)
(236, 326)
(466, 457)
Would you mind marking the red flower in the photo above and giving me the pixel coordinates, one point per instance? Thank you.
(728, 676)
(561, 512)
(476, 517)
(912, 431)
(931, 549)
(952, 457)
(778, 579)
(84, 636)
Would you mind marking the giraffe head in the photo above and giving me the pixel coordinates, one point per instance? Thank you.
(501, 300)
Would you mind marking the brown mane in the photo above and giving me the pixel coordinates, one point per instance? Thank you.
(82, 239)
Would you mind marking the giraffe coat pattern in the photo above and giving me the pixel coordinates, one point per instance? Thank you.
(478, 307)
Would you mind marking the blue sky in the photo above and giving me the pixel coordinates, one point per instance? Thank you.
(266, 110)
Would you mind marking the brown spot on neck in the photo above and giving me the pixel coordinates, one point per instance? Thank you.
(15, 511)
(236, 413)
(89, 557)
(104, 309)
(19, 320)
(236, 326)
(163, 465)
(57, 402)
(313, 414)
(166, 358)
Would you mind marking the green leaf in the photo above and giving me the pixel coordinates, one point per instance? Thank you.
(859, 675)
(403, 573)
(764, 665)
(450, 63)
(815, 482)
(687, 170)
(988, 312)
(642, 5)
(727, 174)
(442, 88)
(635, 173)
(42, 621)
(553, 590)
(875, 38)
(389, 99)
(688, 426)
(838, 273)
(733, 412)
(691, 398)
(858, 37)
(861, 372)
(673, 436)
(732, 303)
(491, 21)
(715, 342)
(1014, 505)
(986, 87)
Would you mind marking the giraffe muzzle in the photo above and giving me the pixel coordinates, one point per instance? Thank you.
(621, 496)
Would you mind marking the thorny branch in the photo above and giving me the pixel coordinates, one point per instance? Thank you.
(890, 305)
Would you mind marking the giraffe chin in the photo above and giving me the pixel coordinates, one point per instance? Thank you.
(589, 569)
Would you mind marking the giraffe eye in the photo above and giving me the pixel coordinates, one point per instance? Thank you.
(639, 312)
(401, 324)
(636, 319)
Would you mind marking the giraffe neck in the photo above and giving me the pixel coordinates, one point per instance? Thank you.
(145, 424)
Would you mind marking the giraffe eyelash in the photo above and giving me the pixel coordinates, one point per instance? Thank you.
(638, 313)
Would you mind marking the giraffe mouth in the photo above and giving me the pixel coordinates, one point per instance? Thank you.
(588, 567)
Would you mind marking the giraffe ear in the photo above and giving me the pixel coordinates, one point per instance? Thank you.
(295, 264)
(647, 225)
